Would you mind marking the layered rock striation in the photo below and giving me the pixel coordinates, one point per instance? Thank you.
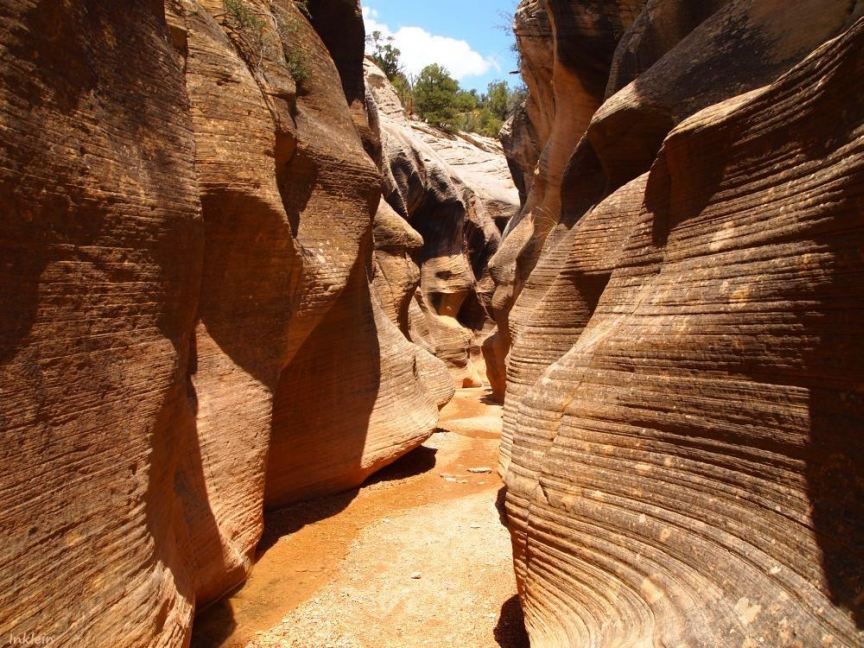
(188, 330)
(566, 80)
(683, 372)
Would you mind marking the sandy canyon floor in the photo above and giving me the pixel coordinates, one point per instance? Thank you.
(417, 557)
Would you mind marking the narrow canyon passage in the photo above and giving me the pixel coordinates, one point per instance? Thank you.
(337, 323)
(416, 557)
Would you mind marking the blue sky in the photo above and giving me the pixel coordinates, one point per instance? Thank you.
(465, 36)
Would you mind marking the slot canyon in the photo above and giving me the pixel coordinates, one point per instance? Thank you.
(283, 363)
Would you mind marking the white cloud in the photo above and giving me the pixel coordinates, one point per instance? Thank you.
(420, 48)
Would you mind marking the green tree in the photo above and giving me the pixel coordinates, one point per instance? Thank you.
(404, 89)
(385, 54)
(497, 99)
(489, 123)
(517, 96)
(467, 101)
(435, 96)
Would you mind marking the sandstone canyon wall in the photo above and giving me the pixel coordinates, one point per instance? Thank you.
(680, 307)
(187, 326)
(454, 192)
(566, 48)
(228, 263)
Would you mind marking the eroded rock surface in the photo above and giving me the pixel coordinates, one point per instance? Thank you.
(566, 84)
(188, 330)
(526, 132)
(101, 243)
(456, 193)
(683, 381)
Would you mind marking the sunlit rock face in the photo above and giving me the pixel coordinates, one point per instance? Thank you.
(567, 50)
(684, 374)
(526, 132)
(188, 331)
(455, 192)
(101, 242)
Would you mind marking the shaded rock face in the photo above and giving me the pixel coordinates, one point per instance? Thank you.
(683, 390)
(454, 193)
(187, 252)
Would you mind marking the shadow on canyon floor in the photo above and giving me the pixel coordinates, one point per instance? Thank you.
(489, 399)
(510, 630)
(288, 520)
(216, 624)
(501, 505)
